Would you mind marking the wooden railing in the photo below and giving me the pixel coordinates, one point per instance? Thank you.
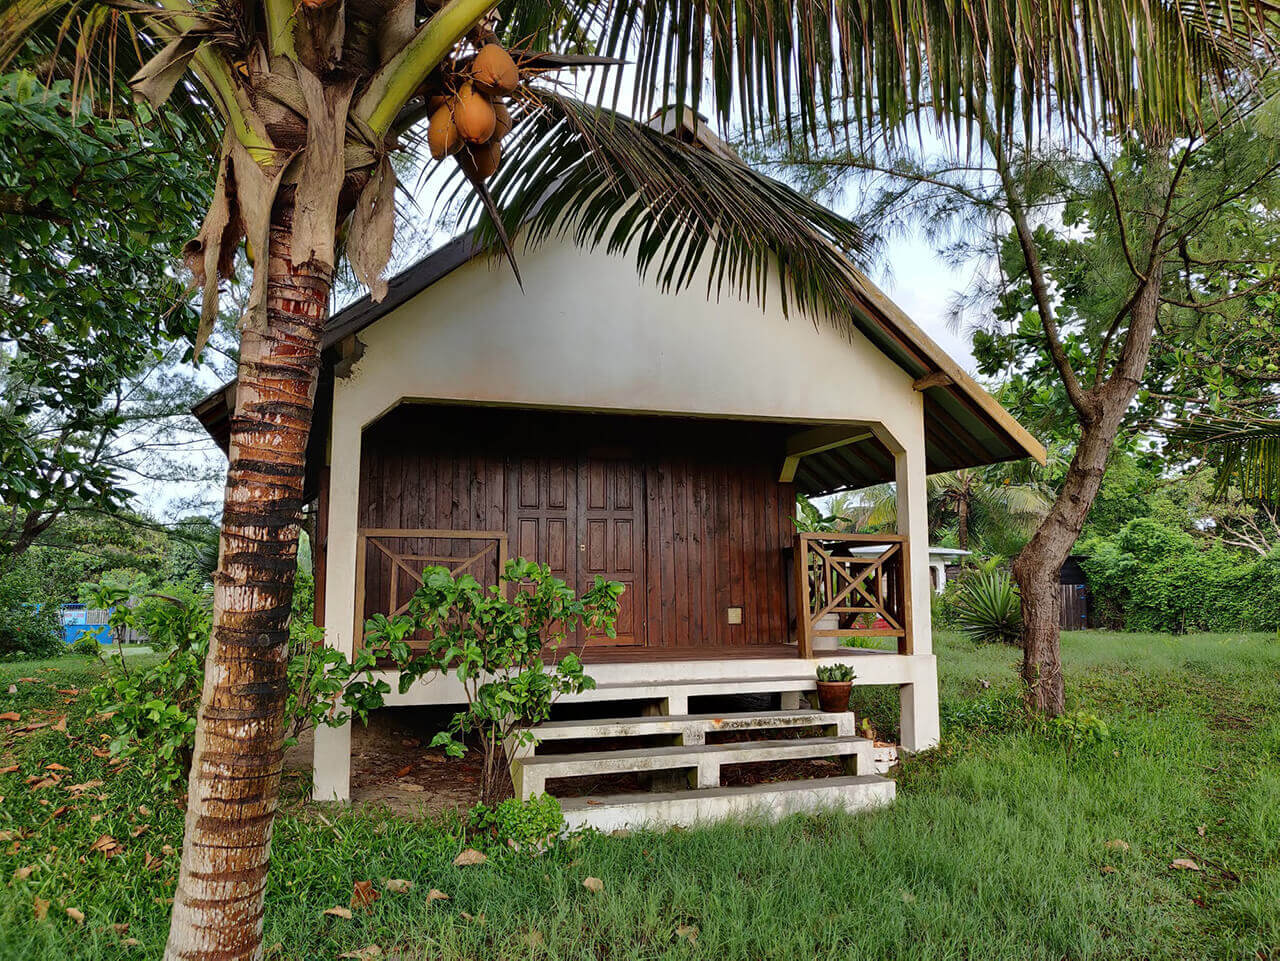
(852, 585)
(402, 554)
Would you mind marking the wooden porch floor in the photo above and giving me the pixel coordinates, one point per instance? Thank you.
(616, 654)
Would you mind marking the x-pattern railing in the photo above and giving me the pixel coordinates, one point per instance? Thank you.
(852, 585)
(406, 567)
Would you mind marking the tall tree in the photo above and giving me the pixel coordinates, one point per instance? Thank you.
(91, 209)
(1105, 244)
(309, 100)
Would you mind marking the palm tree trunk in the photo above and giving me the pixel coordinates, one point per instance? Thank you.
(235, 771)
(962, 524)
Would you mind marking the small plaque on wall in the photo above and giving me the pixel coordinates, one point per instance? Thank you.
(735, 615)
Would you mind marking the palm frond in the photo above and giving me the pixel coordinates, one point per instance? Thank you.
(603, 179)
(1245, 453)
(804, 66)
(99, 45)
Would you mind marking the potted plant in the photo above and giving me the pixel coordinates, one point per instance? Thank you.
(835, 681)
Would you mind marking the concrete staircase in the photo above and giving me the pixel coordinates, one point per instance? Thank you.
(682, 749)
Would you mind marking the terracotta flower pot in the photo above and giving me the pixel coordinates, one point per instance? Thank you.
(833, 696)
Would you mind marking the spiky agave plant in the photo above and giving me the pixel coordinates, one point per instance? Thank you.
(989, 610)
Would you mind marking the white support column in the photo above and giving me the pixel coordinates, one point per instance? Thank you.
(918, 700)
(332, 758)
(919, 727)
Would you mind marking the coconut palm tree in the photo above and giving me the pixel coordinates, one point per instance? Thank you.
(306, 101)
(983, 504)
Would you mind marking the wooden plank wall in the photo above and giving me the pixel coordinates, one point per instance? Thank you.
(715, 518)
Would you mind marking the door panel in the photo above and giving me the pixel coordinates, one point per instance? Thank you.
(583, 515)
(544, 525)
(612, 538)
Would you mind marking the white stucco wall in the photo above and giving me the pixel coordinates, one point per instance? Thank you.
(587, 333)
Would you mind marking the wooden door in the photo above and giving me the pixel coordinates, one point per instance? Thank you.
(611, 536)
(544, 524)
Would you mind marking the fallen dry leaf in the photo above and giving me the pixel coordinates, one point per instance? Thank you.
(138, 830)
(594, 885)
(435, 894)
(1116, 845)
(477, 918)
(363, 894)
(44, 782)
(81, 788)
(364, 954)
(1184, 864)
(166, 849)
(76, 915)
(1108, 869)
(687, 931)
(70, 690)
(10, 716)
(398, 885)
(404, 770)
(534, 939)
(144, 810)
(107, 845)
(61, 724)
(469, 857)
(10, 769)
(41, 907)
(13, 688)
(55, 766)
(1201, 829)
(338, 911)
(411, 786)
(151, 862)
(23, 873)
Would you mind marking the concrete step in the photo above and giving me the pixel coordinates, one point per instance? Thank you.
(687, 808)
(530, 774)
(673, 696)
(692, 728)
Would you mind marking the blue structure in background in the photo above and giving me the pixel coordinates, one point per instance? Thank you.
(76, 620)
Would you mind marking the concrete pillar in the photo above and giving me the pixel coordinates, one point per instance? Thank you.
(331, 761)
(918, 704)
(918, 700)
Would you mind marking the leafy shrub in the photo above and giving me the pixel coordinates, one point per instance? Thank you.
(1150, 577)
(29, 627)
(516, 825)
(836, 672)
(86, 645)
(494, 644)
(989, 610)
(172, 615)
(1078, 729)
(153, 709)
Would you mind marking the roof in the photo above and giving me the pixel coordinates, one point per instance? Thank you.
(964, 425)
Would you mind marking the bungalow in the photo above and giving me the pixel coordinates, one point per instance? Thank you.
(592, 422)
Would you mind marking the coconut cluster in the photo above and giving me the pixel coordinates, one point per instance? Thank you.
(470, 122)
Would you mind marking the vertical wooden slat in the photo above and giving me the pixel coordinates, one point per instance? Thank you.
(804, 624)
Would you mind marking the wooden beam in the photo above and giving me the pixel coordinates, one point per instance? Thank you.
(939, 378)
(816, 441)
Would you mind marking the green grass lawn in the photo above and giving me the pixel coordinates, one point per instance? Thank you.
(995, 849)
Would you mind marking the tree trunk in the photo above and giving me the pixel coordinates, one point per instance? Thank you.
(1037, 567)
(962, 524)
(235, 771)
